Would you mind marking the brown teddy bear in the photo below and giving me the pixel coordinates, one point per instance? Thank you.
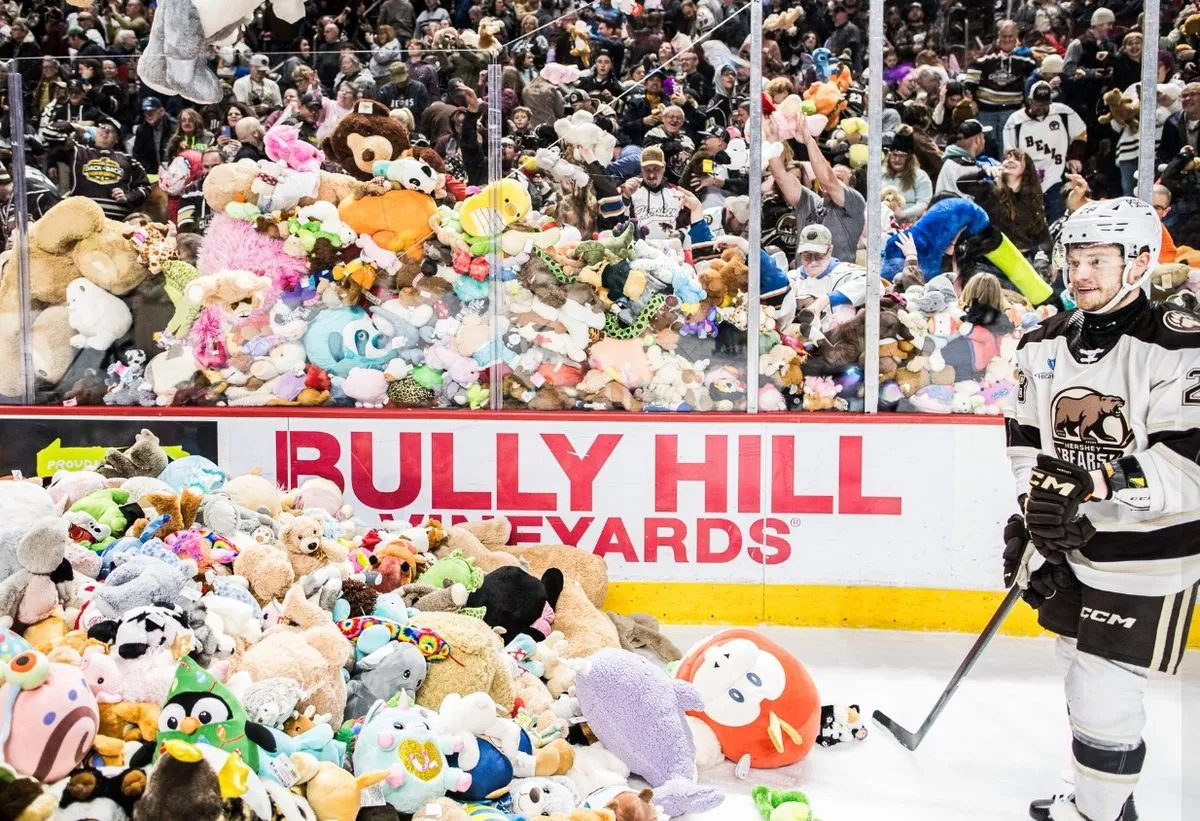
(238, 292)
(724, 279)
(268, 569)
(231, 182)
(308, 550)
(1124, 110)
(364, 137)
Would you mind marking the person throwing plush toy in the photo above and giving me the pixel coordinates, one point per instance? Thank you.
(1104, 435)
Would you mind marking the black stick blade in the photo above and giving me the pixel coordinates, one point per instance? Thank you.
(908, 740)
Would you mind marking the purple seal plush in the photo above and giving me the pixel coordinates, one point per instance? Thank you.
(639, 714)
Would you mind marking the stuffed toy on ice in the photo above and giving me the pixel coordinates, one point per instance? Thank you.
(399, 740)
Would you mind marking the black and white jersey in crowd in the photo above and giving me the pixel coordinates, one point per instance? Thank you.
(1045, 141)
(1137, 394)
(998, 80)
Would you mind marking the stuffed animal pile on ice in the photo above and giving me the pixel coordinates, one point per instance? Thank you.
(179, 643)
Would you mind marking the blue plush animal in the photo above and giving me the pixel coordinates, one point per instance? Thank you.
(933, 234)
(194, 472)
(341, 339)
(144, 545)
(822, 59)
(399, 740)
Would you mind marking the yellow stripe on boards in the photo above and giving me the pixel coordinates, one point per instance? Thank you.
(881, 608)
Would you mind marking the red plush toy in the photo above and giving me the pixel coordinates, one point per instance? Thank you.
(758, 699)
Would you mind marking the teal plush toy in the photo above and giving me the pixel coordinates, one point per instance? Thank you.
(399, 741)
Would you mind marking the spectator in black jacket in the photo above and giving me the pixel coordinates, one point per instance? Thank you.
(1183, 127)
(78, 40)
(328, 55)
(152, 135)
(404, 92)
(21, 47)
(111, 178)
(643, 112)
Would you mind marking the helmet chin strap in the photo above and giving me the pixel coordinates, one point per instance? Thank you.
(1125, 290)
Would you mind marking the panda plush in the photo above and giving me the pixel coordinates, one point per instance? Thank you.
(412, 174)
(840, 723)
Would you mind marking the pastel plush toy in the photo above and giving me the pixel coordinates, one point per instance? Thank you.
(477, 715)
(399, 741)
(49, 702)
(141, 581)
(282, 143)
(42, 577)
(640, 716)
(367, 387)
(237, 292)
(483, 214)
(98, 317)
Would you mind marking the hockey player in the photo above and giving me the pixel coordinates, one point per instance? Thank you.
(1104, 436)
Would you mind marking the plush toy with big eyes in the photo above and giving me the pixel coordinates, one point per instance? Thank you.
(50, 703)
(759, 701)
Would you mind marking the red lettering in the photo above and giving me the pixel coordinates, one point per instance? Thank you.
(445, 497)
(673, 540)
(614, 538)
(772, 538)
(850, 497)
(783, 482)
(417, 519)
(509, 495)
(669, 472)
(362, 472)
(521, 537)
(704, 531)
(581, 473)
(570, 535)
(458, 519)
(749, 474)
(324, 464)
(386, 517)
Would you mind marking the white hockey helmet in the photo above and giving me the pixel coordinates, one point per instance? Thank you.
(1126, 222)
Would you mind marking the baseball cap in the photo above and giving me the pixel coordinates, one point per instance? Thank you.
(1052, 66)
(75, 86)
(972, 128)
(815, 239)
(718, 131)
(76, 31)
(399, 70)
(653, 156)
(5, 177)
(260, 61)
(311, 101)
(151, 104)
(1102, 15)
(1040, 92)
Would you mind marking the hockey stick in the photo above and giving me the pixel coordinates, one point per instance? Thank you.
(912, 740)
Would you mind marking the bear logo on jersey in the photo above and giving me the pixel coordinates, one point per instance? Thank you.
(1181, 322)
(1089, 427)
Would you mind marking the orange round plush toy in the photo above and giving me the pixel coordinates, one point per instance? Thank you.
(397, 221)
(758, 699)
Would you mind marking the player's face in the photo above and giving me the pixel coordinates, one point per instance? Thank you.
(1095, 274)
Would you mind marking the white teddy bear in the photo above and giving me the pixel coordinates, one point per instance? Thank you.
(99, 317)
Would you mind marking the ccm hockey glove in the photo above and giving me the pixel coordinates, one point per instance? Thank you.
(1056, 489)
(1044, 582)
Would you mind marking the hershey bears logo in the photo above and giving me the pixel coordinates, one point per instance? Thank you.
(1181, 322)
(1089, 427)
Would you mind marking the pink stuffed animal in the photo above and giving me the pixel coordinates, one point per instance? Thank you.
(368, 388)
(283, 145)
(49, 703)
(113, 680)
(460, 369)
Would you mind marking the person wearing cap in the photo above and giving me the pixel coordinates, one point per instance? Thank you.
(997, 80)
(1089, 64)
(104, 174)
(256, 88)
(902, 171)
(965, 154)
(1182, 129)
(404, 92)
(1053, 137)
(822, 281)
(1049, 70)
(655, 204)
(152, 136)
(80, 45)
(846, 37)
(75, 108)
(606, 39)
(838, 207)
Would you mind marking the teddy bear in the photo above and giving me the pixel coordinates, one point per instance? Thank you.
(476, 664)
(98, 317)
(305, 646)
(364, 137)
(722, 280)
(38, 577)
(308, 550)
(145, 457)
(1123, 110)
(73, 239)
(237, 292)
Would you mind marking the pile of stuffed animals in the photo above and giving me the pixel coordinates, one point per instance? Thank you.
(180, 643)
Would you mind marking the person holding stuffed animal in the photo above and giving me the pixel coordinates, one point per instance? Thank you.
(1053, 136)
(1102, 434)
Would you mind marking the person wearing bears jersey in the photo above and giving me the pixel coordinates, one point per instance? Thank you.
(1104, 439)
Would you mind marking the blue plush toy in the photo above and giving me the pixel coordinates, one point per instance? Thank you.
(934, 233)
(194, 472)
(399, 741)
(341, 339)
(143, 545)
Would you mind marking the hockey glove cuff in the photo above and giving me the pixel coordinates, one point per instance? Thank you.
(1054, 543)
(1048, 581)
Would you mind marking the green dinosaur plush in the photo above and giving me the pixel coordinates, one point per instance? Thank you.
(455, 567)
(594, 252)
(110, 507)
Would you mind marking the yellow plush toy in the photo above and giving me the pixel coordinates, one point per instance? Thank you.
(480, 217)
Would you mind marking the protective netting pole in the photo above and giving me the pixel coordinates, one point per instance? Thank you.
(495, 159)
(753, 303)
(16, 121)
(874, 213)
(1147, 171)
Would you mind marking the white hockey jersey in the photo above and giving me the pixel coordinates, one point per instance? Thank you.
(1137, 396)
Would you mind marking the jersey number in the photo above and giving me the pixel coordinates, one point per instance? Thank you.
(1191, 394)
(1022, 384)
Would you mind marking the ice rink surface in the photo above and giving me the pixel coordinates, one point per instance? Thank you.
(1002, 741)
